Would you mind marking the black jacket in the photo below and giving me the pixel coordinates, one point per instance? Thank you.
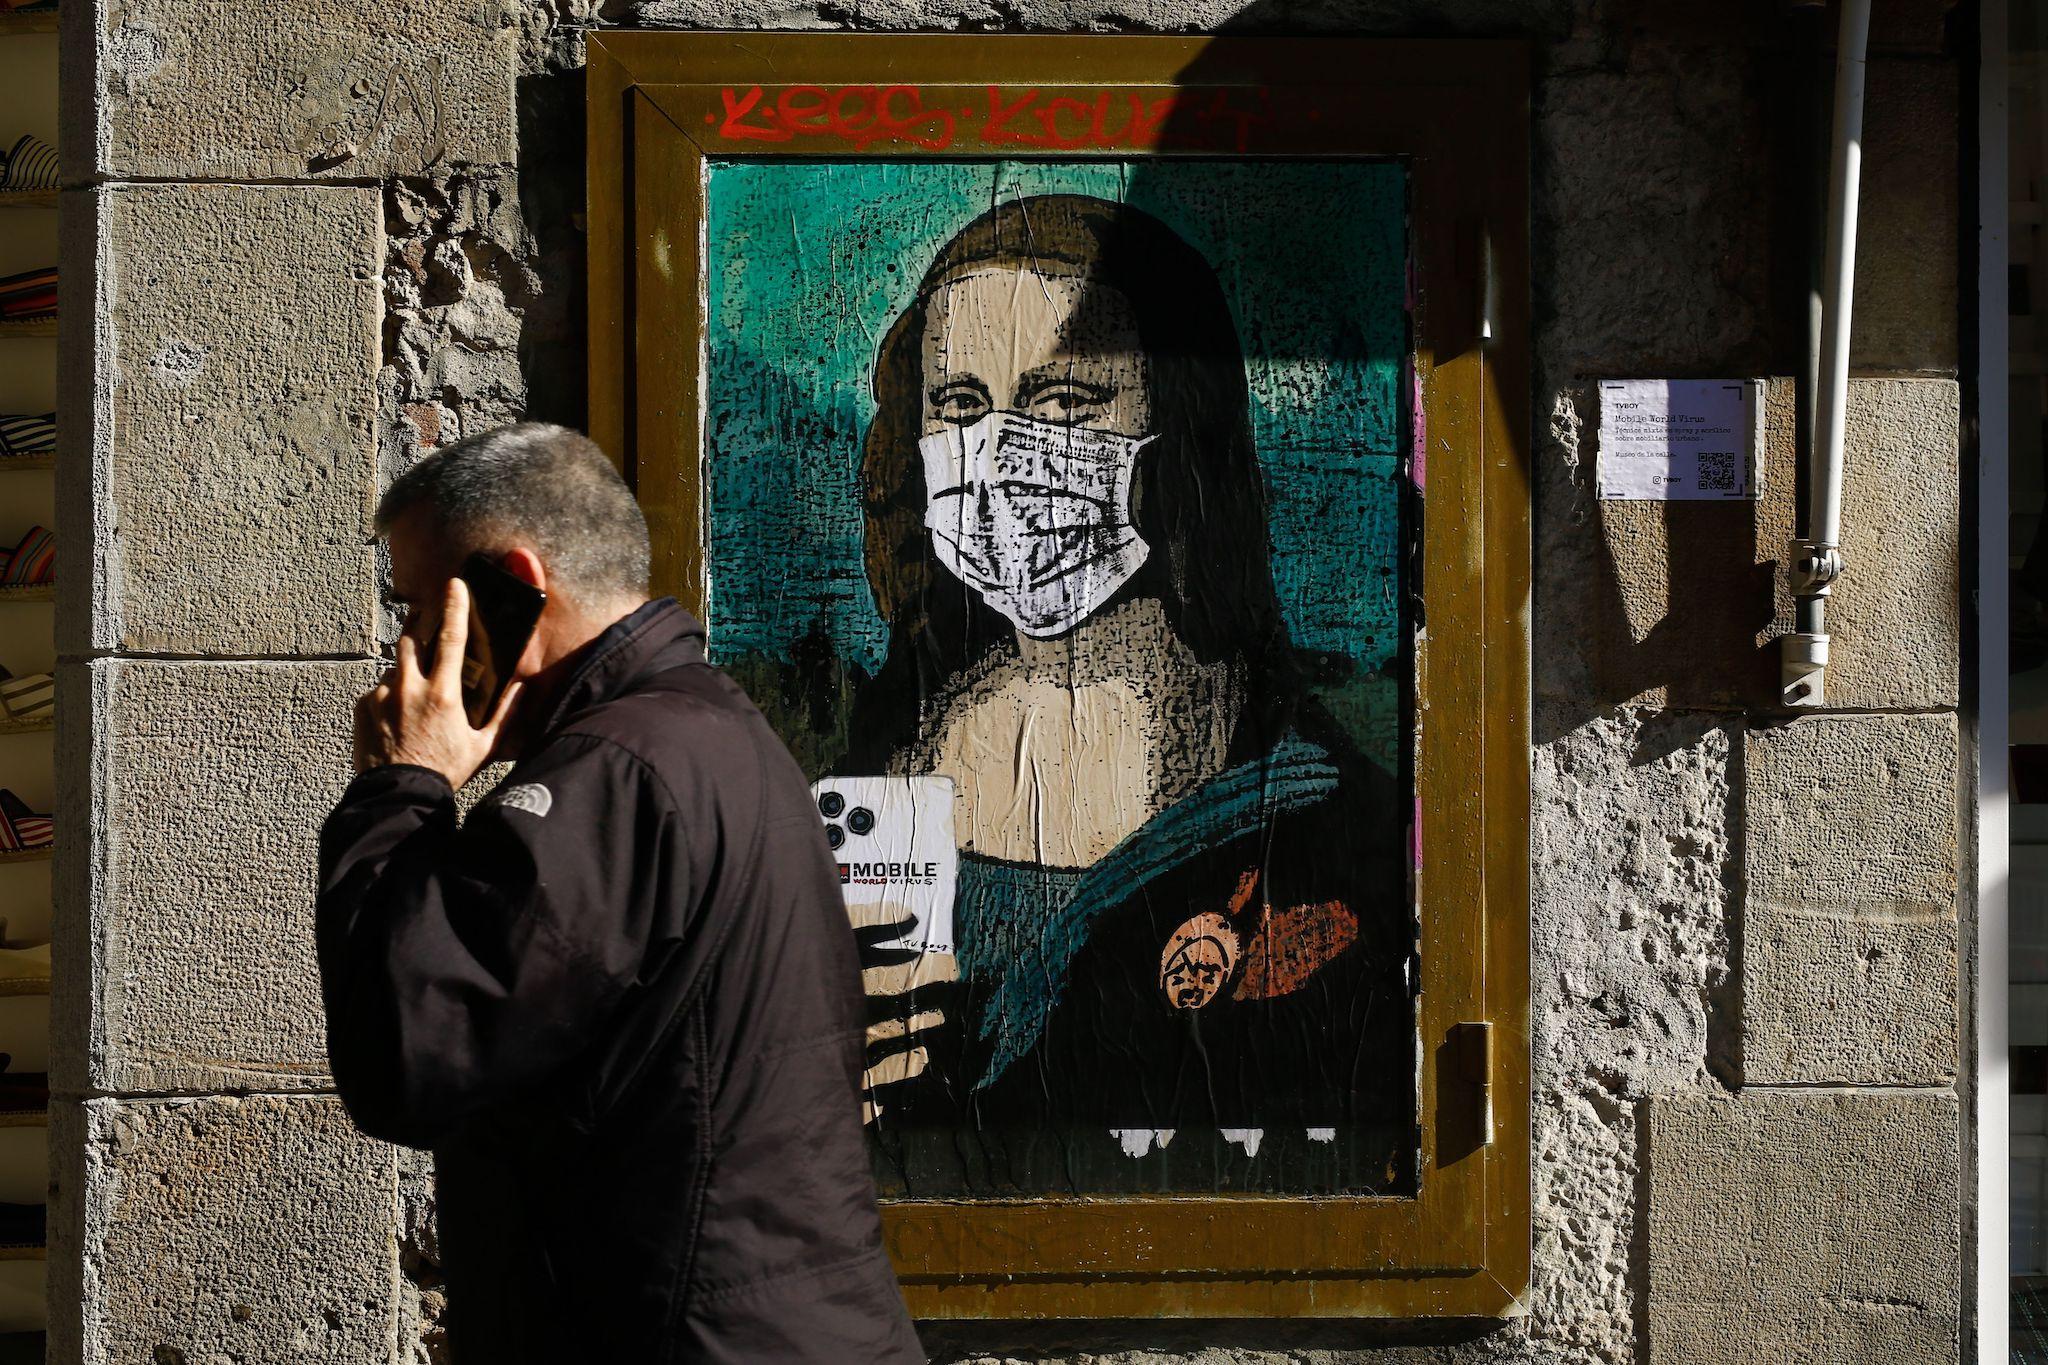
(620, 1003)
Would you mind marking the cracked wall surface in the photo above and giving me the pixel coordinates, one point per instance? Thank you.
(1704, 979)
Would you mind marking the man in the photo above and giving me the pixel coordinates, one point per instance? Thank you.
(620, 1000)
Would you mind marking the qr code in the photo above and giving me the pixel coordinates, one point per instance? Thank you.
(1718, 472)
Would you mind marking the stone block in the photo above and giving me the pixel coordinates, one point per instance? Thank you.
(234, 400)
(302, 89)
(1804, 1228)
(1853, 811)
(197, 881)
(1653, 260)
(1849, 938)
(253, 1229)
(1896, 614)
(1681, 598)
(1905, 314)
(1686, 599)
(1848, 998)
(1919, 26)
(1631, 865)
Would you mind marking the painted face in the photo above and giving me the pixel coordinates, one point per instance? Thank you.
(1051, 347)
(1035, 410)
(1197, 961)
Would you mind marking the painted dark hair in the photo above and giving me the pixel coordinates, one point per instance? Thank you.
(1197, 497)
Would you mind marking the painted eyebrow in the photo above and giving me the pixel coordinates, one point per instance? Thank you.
(971, 384)
(1060, 374)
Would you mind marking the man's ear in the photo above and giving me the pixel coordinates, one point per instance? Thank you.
(524, 565)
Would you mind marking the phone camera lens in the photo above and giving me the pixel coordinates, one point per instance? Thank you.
(830, 804)
(834, 835)
(860, 819)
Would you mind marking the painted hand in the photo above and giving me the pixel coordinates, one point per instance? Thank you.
(416, 717)
(907, 994)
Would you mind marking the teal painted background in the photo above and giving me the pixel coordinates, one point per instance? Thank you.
(810, 262)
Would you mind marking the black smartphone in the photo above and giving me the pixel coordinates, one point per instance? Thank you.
(503, 612)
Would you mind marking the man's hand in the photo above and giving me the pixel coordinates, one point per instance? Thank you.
(417, 718)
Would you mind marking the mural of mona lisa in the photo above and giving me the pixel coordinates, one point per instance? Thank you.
(1182, 921)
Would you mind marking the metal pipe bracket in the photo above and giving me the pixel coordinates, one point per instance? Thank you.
(1802, 670)
(1814, 567)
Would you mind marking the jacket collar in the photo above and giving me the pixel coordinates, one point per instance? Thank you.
(656, 637)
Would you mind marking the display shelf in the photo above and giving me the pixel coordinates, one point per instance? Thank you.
(24, 464)
(30, 327)
(25, 855)
(35, 592)
(39, 21)
(10, 726)
(28, 199)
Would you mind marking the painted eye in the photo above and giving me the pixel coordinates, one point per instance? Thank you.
(960, 406)
(1070, 403)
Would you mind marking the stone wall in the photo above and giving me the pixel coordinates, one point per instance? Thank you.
(314, 238)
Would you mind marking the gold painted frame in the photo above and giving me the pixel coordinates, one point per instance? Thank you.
(660, 103)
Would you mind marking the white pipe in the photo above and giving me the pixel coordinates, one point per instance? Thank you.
(1838, 278)
(1816, 560)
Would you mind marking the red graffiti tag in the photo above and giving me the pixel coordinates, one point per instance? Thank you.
(860, 115)
(1066, 123)
(855, 114)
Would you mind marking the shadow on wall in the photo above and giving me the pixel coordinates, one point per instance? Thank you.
(551, 189)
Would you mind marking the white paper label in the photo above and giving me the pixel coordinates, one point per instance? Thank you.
(1674, 440)
(893, 840)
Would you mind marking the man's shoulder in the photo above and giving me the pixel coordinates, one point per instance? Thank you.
(682, 722)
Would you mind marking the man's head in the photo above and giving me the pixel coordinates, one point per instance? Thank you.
(541, 501)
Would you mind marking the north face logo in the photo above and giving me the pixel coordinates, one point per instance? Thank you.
(531, 797)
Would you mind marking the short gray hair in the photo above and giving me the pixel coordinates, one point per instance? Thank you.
(544, 484)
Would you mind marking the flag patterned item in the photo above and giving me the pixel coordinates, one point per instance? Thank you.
(27, 433)
(31, 294)
(31, 164)
(28, 281)
(33, 698)
(33, 562)
(22, 829)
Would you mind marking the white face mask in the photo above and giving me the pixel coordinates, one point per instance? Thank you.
(1034, 516)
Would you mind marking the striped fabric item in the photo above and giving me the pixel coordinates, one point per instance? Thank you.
(27, 433)
(21, 828)
(23, 307)
(33, 562)
(28, 281)
(31, 294)
(31, 165)
(33, 831)
(33, 698)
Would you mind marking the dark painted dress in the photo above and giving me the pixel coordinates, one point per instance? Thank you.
(1098, 1042)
